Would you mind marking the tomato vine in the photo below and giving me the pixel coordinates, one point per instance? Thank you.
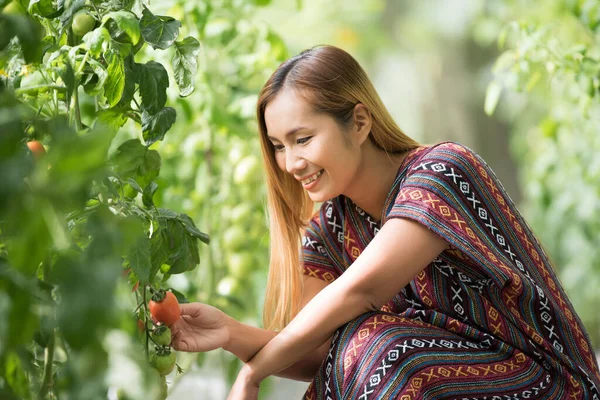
(88, 204)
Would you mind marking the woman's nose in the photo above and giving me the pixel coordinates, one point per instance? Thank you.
(294, 164)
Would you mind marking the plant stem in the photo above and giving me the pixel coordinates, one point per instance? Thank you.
(146, 325)
(75, 108)
(48, 363)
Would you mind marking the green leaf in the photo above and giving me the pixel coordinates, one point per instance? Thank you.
(15, 376)
(97, 41)
(165, 213)
(134, 185)
(113, 119)
(159, 251)
(148, 194)
(123, 49)
(134, 160)
(139, 259)
(115, 82)
(189, 225)
(185, 64)
(43, 8)
(94, 83)
(491, 97)
(180, 296)
(183, 254)
(68, 77)
(159, 31)
(130, 79)
(29, 33)
(87, 277)
(153, 81)
(155, 126)
(126, 22)
(181, 247)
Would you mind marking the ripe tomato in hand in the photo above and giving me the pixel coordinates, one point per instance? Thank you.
(165, 310)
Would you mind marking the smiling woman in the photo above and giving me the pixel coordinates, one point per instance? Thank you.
(416, 278)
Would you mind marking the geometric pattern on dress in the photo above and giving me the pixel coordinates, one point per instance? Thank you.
(400, 349)
(591, 385)
(449, 271)
(526, 394)
(485, 216)
(340, 231)
(329, 367)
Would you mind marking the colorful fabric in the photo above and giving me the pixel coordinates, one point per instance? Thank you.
(487, 319)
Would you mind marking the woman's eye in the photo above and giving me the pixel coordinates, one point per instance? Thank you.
(278, 147)
(303, 140)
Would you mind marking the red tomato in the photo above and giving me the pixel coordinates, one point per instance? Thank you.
(36, 148)
(166, 310)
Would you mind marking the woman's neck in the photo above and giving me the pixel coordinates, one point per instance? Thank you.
(374, 179)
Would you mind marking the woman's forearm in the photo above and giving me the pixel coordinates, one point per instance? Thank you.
(245, 341)
(309, 330)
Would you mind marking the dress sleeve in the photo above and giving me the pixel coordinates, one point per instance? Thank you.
(450, 190)
(316, 260)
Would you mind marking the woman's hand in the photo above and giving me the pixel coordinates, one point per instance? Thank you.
(244, 388)
(200, 328)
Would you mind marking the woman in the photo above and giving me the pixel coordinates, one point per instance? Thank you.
(417, 279)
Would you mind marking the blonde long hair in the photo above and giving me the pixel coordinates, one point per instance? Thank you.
(333, 82)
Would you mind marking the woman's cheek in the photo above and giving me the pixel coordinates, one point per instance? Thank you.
(280, 160)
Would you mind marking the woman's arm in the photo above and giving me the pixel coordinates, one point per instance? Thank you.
(399, 252)
(245, 340)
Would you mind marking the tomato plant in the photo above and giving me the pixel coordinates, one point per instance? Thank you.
(68, 231)
(119, 111)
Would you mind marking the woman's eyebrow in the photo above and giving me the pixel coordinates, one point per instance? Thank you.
(291, 132)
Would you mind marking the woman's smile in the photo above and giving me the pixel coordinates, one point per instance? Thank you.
(311, 181)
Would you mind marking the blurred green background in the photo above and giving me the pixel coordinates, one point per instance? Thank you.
(517, 81)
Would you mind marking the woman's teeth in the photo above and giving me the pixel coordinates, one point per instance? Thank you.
(313, 178)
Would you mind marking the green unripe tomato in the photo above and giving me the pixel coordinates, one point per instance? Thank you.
(83, 23)
(162, 335)
(163, 361)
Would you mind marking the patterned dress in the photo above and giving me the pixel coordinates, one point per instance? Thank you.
(487, 319)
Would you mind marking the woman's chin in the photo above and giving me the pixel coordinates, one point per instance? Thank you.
(320, 196)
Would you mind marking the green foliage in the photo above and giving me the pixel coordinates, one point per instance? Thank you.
(95, 217)
(548, 75)
(80, 222)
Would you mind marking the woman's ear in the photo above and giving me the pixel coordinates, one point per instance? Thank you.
(362, 123)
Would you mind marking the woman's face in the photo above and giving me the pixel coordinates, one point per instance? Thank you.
(311, 146)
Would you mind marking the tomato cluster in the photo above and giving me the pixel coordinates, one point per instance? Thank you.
(164, 311)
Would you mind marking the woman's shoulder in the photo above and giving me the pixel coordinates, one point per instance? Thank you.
(441, 155)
